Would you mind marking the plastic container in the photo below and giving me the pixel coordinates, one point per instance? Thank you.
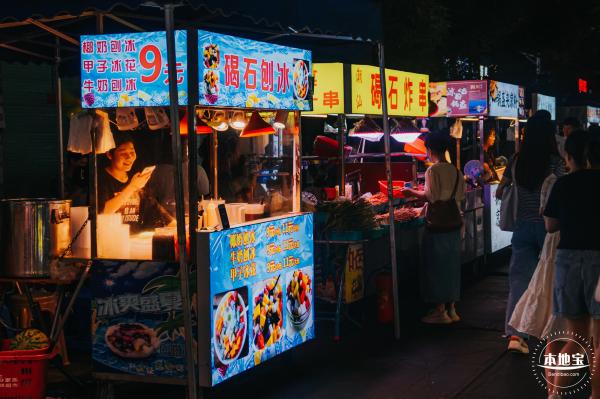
(23, 373)
(397, 187)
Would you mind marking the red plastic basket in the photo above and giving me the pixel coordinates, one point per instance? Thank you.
(397, 187)
(23, 372)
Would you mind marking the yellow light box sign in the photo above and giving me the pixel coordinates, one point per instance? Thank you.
(328, 95)
(407, 93)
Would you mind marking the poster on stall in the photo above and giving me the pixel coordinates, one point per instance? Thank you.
(243, 73)
(504, 99)
(542, 102)
(137, 320)
(467, 98)
(130, 70)
(438, 96)
(354, 284)
(261, 292)
(499, 239)
(522, 110)
(407, 93)
(328, 94)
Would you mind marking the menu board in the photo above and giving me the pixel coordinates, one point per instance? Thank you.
(438, 92)
(328, 96)
(522, 110)
(407, 93)
(261, 293)
(130, 70)
(504, 99)
(137, 319)
(242, 73)
(547, 103)
(467, 98)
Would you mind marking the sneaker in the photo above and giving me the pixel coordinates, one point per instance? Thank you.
(453, 315)
(437, 317)
(518, 345)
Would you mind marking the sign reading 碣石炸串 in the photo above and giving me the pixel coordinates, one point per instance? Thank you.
(130, 70)
(243, 73)
(407, 93)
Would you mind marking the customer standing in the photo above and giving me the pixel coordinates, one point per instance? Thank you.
(573, 210)
(536, 160)
(444, 190)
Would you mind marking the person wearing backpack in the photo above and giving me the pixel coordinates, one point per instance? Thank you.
(537, 159)
(440, 274)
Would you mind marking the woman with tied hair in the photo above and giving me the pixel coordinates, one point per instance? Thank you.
(440, 273)
(537, 159)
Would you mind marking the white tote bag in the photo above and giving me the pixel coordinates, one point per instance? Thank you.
(509, 205)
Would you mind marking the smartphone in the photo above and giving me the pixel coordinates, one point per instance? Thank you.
(148, 169)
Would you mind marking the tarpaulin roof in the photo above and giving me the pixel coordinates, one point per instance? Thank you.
(356, 18)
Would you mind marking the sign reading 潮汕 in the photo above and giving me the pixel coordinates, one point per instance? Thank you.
(130, 69)
(242, 73)
(261, 292)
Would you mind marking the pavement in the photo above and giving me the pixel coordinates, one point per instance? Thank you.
(465, 360)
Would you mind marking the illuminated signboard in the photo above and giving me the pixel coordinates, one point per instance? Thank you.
(503, 99)
(542, 102)
(407, 93)
(593, 115)
(467, 98)
(130, 70)
(328, 96)
(242, 73)
(582, 85)
(261, 293)
(438, 95)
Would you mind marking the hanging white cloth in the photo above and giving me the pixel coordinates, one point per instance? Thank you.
(104, 137)
(80, 138)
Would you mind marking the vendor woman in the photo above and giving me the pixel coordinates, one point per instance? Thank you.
(489, 156)
(118, 193)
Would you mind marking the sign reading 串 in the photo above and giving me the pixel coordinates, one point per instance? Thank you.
(467, 98)
(236, 72)
(261, 293)
(407, 93)
(504, 99)
(130, 70)
(547, 103)
(328, 95)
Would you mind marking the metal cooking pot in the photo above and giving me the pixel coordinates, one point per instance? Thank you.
(32, 233)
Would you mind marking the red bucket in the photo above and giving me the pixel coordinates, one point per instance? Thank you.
(23, 373)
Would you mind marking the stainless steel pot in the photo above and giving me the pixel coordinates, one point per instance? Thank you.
(32, 233)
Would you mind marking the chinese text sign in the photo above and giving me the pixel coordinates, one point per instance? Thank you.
(261, 290)
(504, 99)
(237, 72)
(130, 69)
(467, 98)
(542, 102)
(328, 96)
(407, 93)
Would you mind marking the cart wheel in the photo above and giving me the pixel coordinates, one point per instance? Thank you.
(105, 390)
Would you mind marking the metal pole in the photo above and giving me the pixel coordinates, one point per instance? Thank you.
(517, 136)
(388, 172)
(214, 162)
(297, 165)
(341, 121)
(192, 76)
(59, 121)
(179, 205)
(93, 212)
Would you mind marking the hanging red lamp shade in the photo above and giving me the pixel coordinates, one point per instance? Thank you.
(201, 126)
(417, 148)
(257, 127)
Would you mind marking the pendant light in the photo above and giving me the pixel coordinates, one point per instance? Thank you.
(257, 127)
(201, 126)
(219, 121)
(280, 119)
(405, 131)
(366, 129)
(238, 120)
